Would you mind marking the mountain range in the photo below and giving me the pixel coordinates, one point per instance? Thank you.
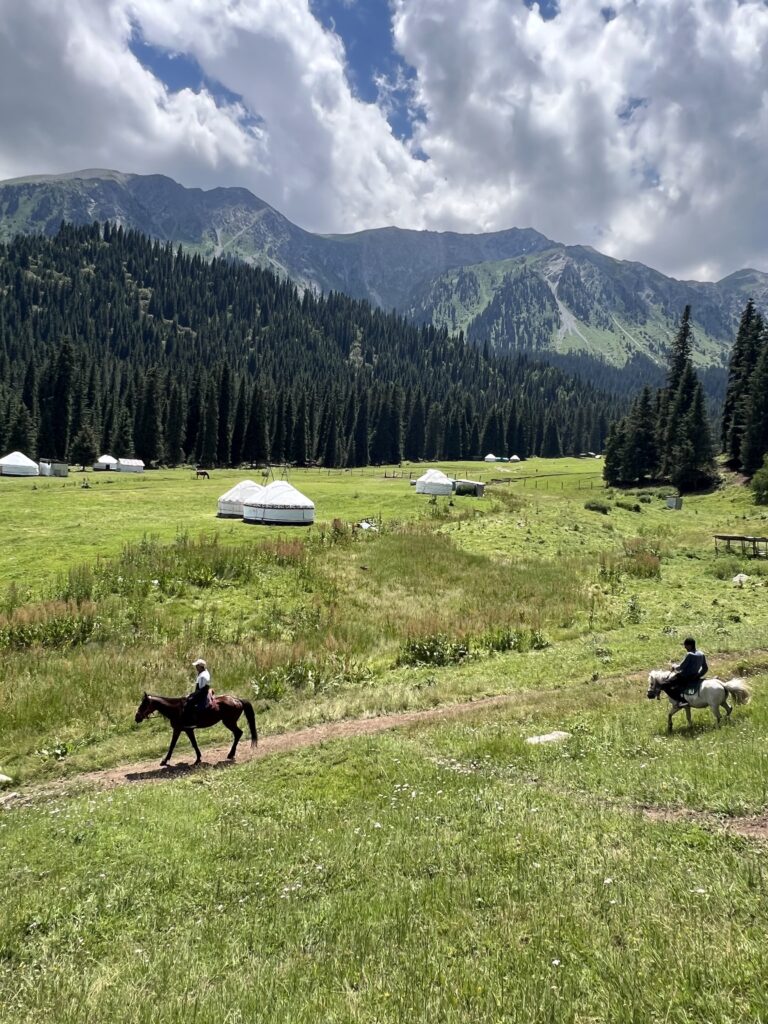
(512, 290)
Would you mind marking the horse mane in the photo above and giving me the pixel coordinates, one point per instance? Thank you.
(659, 675)
(167, 701)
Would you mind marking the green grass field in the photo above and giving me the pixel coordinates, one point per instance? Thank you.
(448, 872)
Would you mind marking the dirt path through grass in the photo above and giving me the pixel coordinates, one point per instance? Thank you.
(751, 827)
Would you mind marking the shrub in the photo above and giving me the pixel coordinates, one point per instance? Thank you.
(759, 484)
(643, 566)
(436, 649)
(595, 505)
(630, 506)
(644, 499)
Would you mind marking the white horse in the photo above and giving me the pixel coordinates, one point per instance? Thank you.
(710, 693)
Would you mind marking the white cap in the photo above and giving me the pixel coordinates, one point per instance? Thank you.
(199, 663)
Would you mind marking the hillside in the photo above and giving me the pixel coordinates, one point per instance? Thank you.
(515, 289)
(113, 342)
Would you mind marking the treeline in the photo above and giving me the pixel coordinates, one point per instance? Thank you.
(744, 434)
(666, 434)
(110, 342)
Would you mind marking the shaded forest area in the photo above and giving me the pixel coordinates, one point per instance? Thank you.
(112, 342)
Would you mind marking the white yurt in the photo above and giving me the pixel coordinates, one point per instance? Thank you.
(130, 466)
(279, 504)
(434, 481)
(231, 503)
(17, 464)
(490, 457)
(514, 458)
(105, 462)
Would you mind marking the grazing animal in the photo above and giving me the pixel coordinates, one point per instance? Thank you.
(224, 709)
(202, 473)
(710, 693)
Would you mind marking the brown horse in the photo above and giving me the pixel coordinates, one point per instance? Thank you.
(224, 709)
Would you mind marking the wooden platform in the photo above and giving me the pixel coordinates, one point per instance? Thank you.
(752, 547)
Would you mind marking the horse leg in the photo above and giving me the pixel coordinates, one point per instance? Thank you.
(672, 713)
(237, 732)
(716, 713)
(728, 708)
(191, 737)
(688, 715)
(167, 758)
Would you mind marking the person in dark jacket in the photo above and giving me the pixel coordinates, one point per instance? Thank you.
(690, 671)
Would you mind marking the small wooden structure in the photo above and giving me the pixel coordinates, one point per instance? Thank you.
(753, 547)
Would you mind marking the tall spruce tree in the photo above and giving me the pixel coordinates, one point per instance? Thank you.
(740, 367)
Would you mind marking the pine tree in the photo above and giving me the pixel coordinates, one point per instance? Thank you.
(224, 441)
(175, 427)
(239, 424)
(122, 442)
(550, 445)
(615, 454)
(680, 354)
(256, 442)
(61, 399)
(740, 366)
(755, 441)
(362, 439)
(433, 439)
(84, 447)
(22, 435)
(210, 443)
(640, 451)
(300, 442)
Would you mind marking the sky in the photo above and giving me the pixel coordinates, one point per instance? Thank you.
(639, 127)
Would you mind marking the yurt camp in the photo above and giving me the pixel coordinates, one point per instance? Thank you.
(279, 504)
(53, 467)
(434, 481)
(17, 464)
(490, 457)
(130, 466)
(230, 504)
(105, 463)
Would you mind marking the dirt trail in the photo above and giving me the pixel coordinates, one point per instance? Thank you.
(214, 758)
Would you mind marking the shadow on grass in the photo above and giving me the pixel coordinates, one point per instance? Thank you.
(178, 770)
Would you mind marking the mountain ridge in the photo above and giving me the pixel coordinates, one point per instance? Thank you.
(513, 289)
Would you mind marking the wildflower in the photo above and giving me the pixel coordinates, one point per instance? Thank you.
(555, 963)
(607, 881)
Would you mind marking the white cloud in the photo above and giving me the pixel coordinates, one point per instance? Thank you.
(645, 135)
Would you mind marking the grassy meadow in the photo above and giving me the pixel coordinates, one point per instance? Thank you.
(445, 872)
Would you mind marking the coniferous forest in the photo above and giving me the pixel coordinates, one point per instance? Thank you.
(110, 342)
(666, 434)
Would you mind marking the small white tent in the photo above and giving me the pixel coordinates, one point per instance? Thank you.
(514, 458)
(231, 503)
(279, 504)
(434, 481)
(490, 457)
(130, 466)
(17, 464)
(105, 462)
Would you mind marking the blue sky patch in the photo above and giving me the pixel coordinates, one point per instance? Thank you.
(179, 71)
(548, 9)
(365, 28)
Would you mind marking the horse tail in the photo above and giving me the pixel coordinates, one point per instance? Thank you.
(739, 690)
(251, 719)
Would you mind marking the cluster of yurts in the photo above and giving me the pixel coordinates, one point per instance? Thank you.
(277, 504)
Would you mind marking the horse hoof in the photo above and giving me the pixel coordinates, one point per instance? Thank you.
(163, 764)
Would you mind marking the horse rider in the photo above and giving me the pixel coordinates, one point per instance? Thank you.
(690, 671)
(198, 699)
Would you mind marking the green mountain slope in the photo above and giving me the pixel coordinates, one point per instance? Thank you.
(514, 290)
